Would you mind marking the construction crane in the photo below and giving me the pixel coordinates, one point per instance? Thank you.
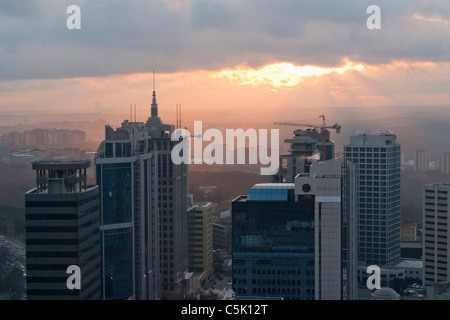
(323, 128)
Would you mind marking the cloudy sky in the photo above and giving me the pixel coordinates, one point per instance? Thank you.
(263, 56)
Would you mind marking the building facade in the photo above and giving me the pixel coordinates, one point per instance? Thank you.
(332, 186)
(305, 148)
(143, 211)
(444, 163)
(422, 160)
(200, 245)
(273, 243)
(200, 237)
(297, 240)
(377, 160)
(408, 232)
(436, 233)
(62, 218)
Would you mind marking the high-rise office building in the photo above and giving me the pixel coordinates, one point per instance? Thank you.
(200, 237)
(422, 160)
(332, 186)
(143, 211)
(377, 159)
(222, 236)
(297, 240)
(305, 148)
(444, 163)
(436, 233)
(200, 245)
(62, 218)
(273, 243)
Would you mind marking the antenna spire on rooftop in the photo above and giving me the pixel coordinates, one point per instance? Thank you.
(154, 108)
(153, 80)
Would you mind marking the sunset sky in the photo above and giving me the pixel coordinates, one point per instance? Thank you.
(263, 58)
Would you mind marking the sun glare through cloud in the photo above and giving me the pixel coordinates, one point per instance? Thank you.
(280, 75)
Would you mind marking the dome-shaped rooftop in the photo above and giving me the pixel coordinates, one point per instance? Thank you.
(385, 293)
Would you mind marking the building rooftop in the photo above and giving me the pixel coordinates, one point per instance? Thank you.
(376, 133)
(410, 263)
(385, 293)
(270, 191)
(60, 165)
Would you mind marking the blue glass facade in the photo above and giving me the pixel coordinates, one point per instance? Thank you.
(117, 245)
(273, 245)
(116, 190)
(118, 275)
(273, 191)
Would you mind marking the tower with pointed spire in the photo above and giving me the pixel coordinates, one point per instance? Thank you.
(144, 220)
(154, 109)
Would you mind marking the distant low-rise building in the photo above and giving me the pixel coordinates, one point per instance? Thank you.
(413, 268)
(438, 291)
(408, 232)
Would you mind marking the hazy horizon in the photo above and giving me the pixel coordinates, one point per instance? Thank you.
(220, 60)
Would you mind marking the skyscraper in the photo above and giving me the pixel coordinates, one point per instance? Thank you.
(332, 186)
(436, 233)
(143, 211)
(305, 148)
(200, 240)
(62, 229)
(422, 160)
(444, 163)
(200, 243)
(273, 243)
(297, 240)
(377, 159)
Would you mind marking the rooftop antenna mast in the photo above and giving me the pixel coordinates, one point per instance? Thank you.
(178, 116)
(154, 107)
(154, 80)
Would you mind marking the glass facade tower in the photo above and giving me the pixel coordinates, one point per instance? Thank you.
(297, 241)
(143, 211)
(273, 243)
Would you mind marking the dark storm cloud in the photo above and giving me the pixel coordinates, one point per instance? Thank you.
(119, 36)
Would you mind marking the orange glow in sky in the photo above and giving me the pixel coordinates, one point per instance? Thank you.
(281, 74)
(434, 18)
(273, 89)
